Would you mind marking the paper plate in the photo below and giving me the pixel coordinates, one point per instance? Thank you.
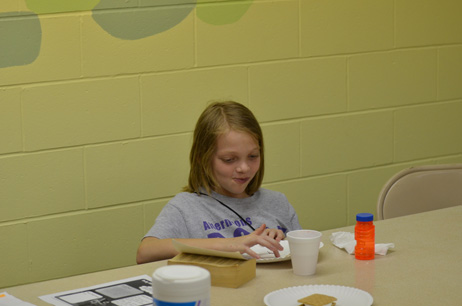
(268, 257)
(346, 296)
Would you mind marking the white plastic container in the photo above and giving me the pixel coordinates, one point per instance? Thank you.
(181, 285)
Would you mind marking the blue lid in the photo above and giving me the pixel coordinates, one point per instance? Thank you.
(364, 217)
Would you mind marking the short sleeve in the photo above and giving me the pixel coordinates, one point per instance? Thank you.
(169, 224)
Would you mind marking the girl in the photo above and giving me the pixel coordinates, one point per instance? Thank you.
(223, 207)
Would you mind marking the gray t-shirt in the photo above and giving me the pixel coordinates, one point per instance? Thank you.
(189, 215)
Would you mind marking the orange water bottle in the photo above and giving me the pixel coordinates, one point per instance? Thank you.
(365, 237)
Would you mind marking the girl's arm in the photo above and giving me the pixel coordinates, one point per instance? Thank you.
(154, 249)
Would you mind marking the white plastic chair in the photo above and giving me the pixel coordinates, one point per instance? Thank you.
(420, 189)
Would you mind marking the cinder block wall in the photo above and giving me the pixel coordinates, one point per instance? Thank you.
(98, 100)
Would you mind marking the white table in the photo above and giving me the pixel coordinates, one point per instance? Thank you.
(424, 268)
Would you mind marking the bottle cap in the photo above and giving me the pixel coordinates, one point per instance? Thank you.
(364, 217)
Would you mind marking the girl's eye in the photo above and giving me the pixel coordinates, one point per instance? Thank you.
(228, 160)
(254, 156)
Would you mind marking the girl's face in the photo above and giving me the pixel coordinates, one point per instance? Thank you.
(235, 163)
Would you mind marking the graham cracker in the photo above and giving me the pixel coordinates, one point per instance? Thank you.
(318, 300)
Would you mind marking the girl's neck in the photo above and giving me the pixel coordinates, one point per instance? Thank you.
(225, 194)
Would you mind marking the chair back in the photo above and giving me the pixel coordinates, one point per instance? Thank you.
(420, 189)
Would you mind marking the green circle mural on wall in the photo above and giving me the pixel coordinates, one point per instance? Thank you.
(223, 13)
(137, 23)
(20, 39)
(59, 6)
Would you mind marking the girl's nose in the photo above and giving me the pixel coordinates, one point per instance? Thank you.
(243, 167)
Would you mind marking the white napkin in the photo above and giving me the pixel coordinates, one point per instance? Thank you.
(345, 240)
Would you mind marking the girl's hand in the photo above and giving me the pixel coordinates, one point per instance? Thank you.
(268, 238)
(276, 234)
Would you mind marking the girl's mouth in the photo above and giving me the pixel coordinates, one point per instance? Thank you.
(241, 180)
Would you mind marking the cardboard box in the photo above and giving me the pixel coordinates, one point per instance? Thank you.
(224, 272)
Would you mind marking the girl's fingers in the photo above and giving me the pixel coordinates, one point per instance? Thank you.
(260, 230)
(278, 235)
(272, 245)
(269, 238)
(251, 253)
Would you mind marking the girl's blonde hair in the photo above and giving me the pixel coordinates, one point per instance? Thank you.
(215, 120)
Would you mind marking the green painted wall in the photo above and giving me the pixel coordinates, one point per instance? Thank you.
(98, 100)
